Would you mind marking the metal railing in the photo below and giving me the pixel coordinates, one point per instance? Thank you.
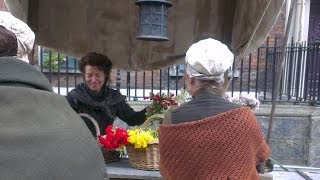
(255, 75)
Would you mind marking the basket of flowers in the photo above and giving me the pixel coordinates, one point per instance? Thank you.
(109, 143)
(143, 142)
(142, 147)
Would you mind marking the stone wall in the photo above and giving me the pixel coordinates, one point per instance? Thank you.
(295, 138)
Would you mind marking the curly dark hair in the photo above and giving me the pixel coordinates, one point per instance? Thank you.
(102, 62)
(9, 44)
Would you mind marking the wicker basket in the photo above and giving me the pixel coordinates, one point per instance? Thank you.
(145, 158)
(109, 155)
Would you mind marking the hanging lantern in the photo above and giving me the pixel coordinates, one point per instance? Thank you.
(153, 20)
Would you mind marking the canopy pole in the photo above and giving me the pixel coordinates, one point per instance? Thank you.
(278, 70)
(32, 21)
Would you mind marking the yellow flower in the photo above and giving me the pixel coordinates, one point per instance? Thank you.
(139, 137)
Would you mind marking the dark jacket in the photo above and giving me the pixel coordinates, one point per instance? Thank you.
(203, 104)
(41, 137)
(103, 107)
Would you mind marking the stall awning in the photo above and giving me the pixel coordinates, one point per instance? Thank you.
(110, 27)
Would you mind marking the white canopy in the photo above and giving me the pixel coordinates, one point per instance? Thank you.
(25, 36)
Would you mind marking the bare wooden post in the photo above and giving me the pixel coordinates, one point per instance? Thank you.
(278, 70)
(32, 21)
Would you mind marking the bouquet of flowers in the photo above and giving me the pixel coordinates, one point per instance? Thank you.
(141, 141)
(160, 103)
(143, 148)
(141, 145)
(244, 100)
(114, 138)
(118, 137)
(140, 138)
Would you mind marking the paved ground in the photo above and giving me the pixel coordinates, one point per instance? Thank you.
(306, 173)
(282, 175)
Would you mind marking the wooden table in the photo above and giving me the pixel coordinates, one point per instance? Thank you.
(122, 170)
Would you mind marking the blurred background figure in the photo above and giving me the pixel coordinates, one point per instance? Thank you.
(24, 35)
(41, 137)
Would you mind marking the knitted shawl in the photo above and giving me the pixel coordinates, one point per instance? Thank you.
(225, 146)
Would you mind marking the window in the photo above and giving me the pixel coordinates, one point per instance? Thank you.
(177, 70)
(56, 61)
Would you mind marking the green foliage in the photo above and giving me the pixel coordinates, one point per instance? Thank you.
(54, 61)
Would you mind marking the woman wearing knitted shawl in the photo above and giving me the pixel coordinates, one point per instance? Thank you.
(209, 137)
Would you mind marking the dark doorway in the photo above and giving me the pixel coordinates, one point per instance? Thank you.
(314, 53)
(314, 22)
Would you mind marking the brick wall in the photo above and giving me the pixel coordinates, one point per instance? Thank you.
(275, 37)
(279, 27)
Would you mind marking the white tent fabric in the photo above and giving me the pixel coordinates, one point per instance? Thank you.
(110, 27)
(25, 36)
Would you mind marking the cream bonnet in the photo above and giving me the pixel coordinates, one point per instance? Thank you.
(208, 59)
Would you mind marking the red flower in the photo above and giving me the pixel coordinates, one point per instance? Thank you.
(121, 136)
(113, 138)
(160, 103)
(105, 143)
(109, 129)
(157, 96)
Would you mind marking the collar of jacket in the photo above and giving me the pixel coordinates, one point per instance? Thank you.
(15, 71)
(203, 92)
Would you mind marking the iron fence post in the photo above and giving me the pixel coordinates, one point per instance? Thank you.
(118, 80)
